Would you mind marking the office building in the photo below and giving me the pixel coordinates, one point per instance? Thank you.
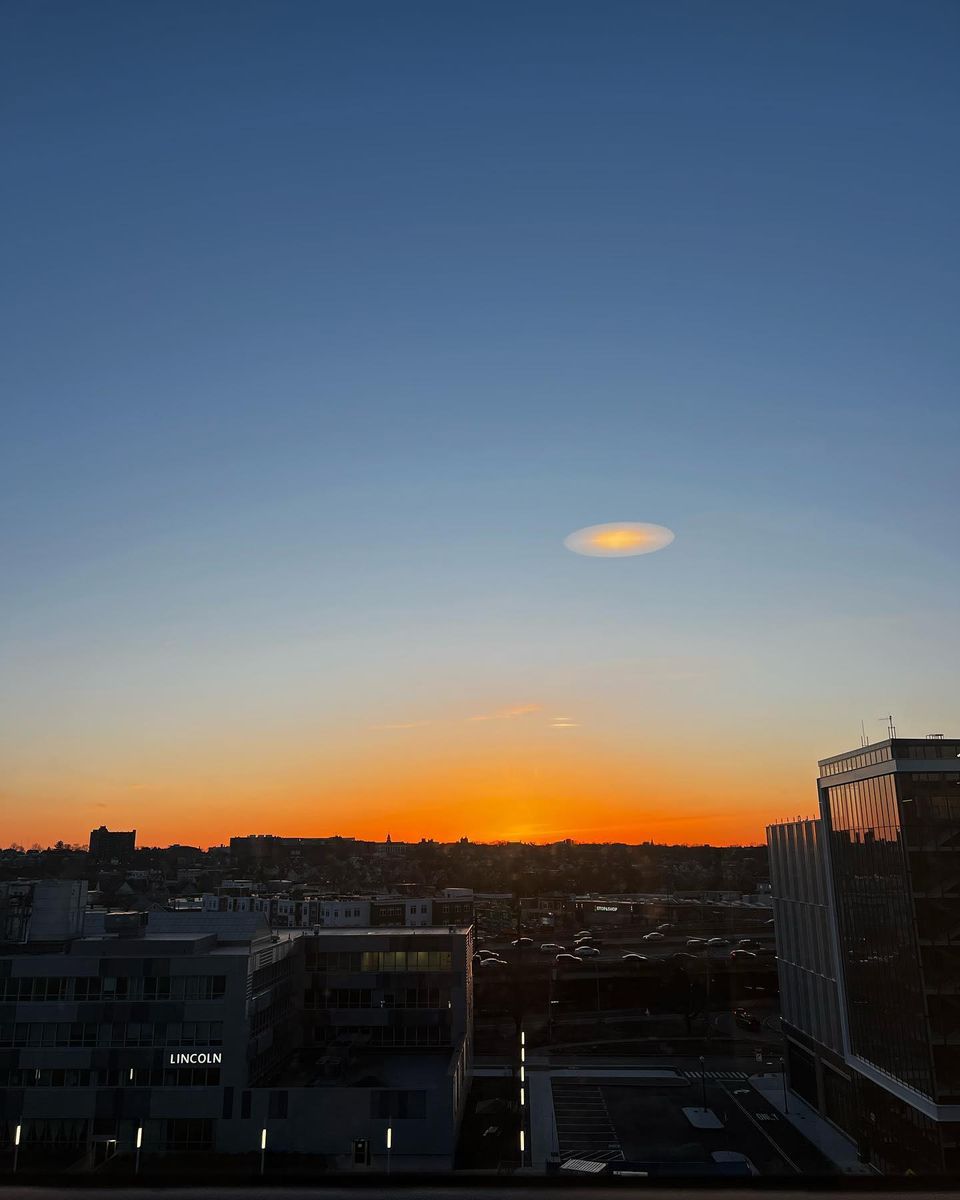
(194, 1032)
(867, 905)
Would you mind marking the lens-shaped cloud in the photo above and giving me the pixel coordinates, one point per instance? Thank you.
(619, 539)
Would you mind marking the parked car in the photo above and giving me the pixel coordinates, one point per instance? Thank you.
(632, 957)
(656, 936)
(587, 952)
(551, 946)
(568, 958)
(696, 941)
(522, 941)
(717, 941)
(742, 954)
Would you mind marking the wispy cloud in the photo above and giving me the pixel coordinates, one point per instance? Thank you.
(401, 725)
(507, 714)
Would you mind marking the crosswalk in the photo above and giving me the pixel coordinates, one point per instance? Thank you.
(715, 1074)
(584, 1128)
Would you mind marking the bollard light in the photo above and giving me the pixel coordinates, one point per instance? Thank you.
(263, 1139)
(139, 1136)
(16, 1136)
(389, 1137)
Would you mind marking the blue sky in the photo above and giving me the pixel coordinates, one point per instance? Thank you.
(327, 322)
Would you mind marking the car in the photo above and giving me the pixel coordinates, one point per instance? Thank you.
(682, 956)
(745, 1019)
(742, 954)
(717, 941)
(494, 962)
(632, 957)
(665, 925)
(734, 1157)
(656, 936)
(568, 958)
(695, 941)
(544, 946)
(487, 953)
(522, 941)
(587, 952)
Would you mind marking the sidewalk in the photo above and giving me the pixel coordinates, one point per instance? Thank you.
(831, 1143)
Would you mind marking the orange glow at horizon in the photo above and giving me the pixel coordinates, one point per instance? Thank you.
(535, 793)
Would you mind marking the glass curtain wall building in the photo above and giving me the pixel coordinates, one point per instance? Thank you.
(884, 858)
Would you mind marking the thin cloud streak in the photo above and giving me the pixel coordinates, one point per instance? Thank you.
(402, 725)
(508, 714)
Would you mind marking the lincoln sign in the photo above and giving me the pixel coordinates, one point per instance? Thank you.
(195, 1058)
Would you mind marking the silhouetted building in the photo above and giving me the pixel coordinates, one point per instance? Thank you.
(112, 845)
(867, 906)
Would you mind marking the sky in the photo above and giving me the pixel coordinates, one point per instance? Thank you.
(326, 323)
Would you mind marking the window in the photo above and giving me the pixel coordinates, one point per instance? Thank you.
(189, 1134)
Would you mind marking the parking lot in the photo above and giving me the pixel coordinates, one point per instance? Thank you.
(604, 1118)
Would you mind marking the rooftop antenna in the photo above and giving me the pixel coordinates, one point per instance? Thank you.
(863, 734)
(891, 728)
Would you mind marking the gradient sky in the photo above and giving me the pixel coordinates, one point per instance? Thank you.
(325, 323)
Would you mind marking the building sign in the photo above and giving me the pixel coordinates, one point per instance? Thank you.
(183, 1058)
(606, 908)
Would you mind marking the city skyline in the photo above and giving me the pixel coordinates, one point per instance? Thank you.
(328, 325)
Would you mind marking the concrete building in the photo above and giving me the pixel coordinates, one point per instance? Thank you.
(867, 904)
(195, 1032)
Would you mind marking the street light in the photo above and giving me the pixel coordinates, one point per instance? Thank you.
(263, 1149)
(389, 1146)
(16, 1147)
(136, 1169)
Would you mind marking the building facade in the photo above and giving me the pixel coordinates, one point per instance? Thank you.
(208, 1032)
(884, 858)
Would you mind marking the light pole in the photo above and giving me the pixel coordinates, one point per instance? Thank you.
(263, 1149)
(706, 963)
(136, 1168)
(16, 1147)
(389, 1146)
(703, 1084)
